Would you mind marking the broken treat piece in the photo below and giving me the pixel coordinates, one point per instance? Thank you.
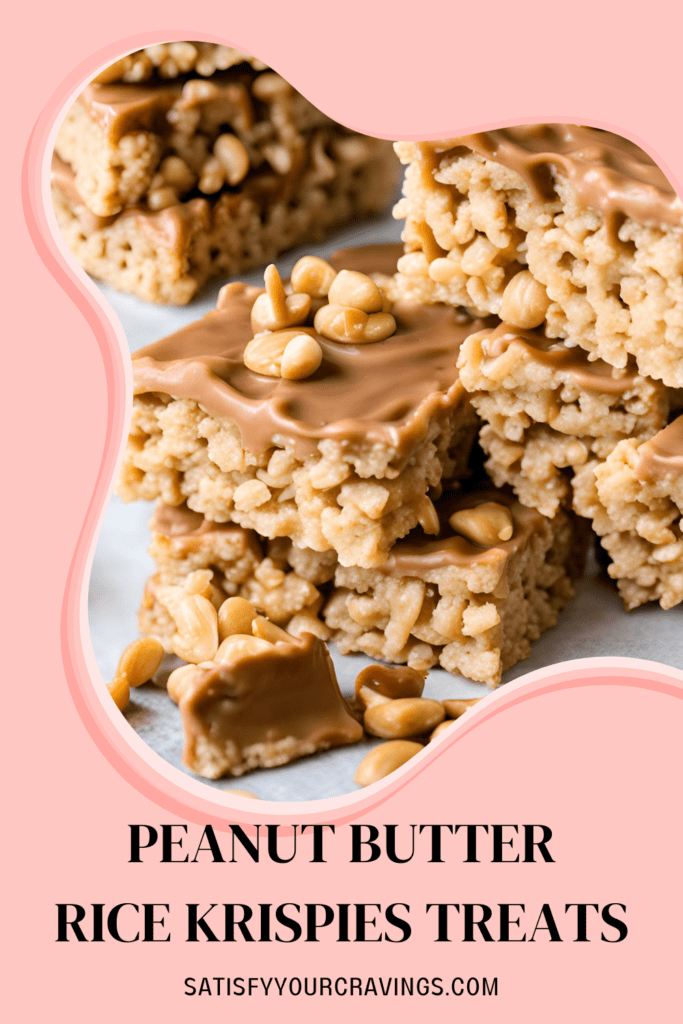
(560, 223)
(548, 409)
(263, 708)
(635, 499)
(343, 460)
(245, 572)
(160, 185)
(444, 600)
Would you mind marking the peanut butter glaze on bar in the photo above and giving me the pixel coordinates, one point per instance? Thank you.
(661, 457)
(124, 107)
(171, 227)
(606, 172)
(415, 553)
(388, 391)
(594, 375)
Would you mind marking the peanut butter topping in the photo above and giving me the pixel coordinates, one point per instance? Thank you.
(594, 375)
(388, 391)
(606, 172)
(661, 457)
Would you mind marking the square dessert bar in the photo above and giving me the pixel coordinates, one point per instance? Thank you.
(559, 223)
(548, 408)
(469, 601)
(635, 499)
(161, 182)
(344, 460)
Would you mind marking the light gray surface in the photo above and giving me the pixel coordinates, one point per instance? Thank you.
(594, 625)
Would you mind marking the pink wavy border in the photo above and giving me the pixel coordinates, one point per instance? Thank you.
(131, 758)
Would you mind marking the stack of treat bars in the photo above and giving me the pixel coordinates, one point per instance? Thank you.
(401, 449)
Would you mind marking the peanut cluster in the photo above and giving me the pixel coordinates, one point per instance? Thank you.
(284, 344)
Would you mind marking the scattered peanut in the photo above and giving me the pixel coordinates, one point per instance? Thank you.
(405, 716)
(235, 615)
(243, 792)
(233, 158)
(385, 759)
(391, 681)
(312, 276)
(455, 708)
(120, 691)
(139, 661)
(525, 302)
(441, 727)
(349, 288)
(485, 525)
(276, 310)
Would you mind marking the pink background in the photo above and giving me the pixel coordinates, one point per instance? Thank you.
(598, 762)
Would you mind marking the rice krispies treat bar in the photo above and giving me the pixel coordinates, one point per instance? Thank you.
(587, 214)
(344, 461)
(471, 607)
(635, 499)
(208, 176)
(547, 408)
(167, 256)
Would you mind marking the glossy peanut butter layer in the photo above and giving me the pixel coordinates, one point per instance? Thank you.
(385, 392)
(419, 552)
(606, 172)
(414, 554)
(591, 375)
(288, 691)
(171, 227)
(661, 457)
(124, 107)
